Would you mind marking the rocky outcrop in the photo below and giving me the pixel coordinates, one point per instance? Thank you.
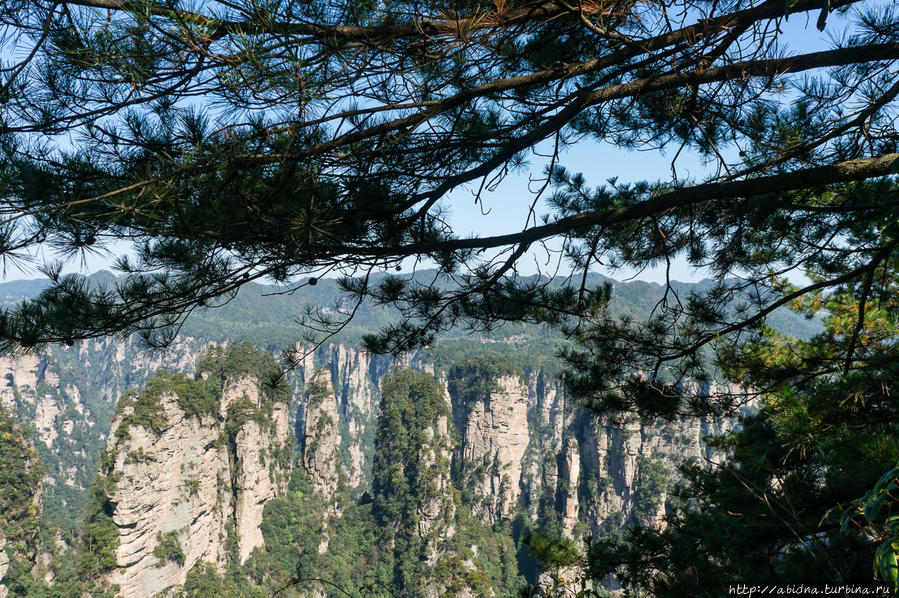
(68, 394)
(413, 493)
(513, 437)
(29, 387)
(567, 487)
(21, 498)
(4, 567)
(530, 445)
(170, 484)
(321, 443)
(321, 447)
(356, 376)
(183, 488)
(628, 466)
(436, 515)
(494, 437)
(258, 476)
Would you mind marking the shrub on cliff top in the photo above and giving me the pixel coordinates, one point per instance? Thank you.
(195, 396)
(474, 377)
(239, 359)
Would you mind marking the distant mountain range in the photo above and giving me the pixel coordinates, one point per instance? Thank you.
(265, 315)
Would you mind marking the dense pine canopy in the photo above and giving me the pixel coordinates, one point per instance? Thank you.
(233, 141)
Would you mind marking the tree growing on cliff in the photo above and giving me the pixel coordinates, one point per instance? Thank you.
(412, 497)
(20, 520)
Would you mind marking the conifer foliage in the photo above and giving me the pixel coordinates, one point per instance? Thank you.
(232, 141)
(20, 520)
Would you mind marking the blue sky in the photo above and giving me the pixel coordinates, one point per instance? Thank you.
(507, 207)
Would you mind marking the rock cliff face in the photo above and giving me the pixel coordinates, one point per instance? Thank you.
(567, 486)
(195, 486)
(321, 443)
(519, 446)
(4, 567)
(68, 395)
(436, 514)
(321, 447)
(494, 438)
(355, 376)
(526, 444)
(595, 473)
(259, 461)
(522, 445)
(628, 466)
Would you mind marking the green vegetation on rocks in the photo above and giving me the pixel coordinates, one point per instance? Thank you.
(220, 364)
(100, 536)
(200, 396)
(20, 479)
(651, 487)
(476, 376)
(168, 548)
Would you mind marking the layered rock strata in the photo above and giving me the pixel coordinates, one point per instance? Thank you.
(494, 438)
(181, 491)
(321, 447)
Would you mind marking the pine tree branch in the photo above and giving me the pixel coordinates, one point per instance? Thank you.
(581, 101)
(867, 269)
(535, 11)
(840, 172)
